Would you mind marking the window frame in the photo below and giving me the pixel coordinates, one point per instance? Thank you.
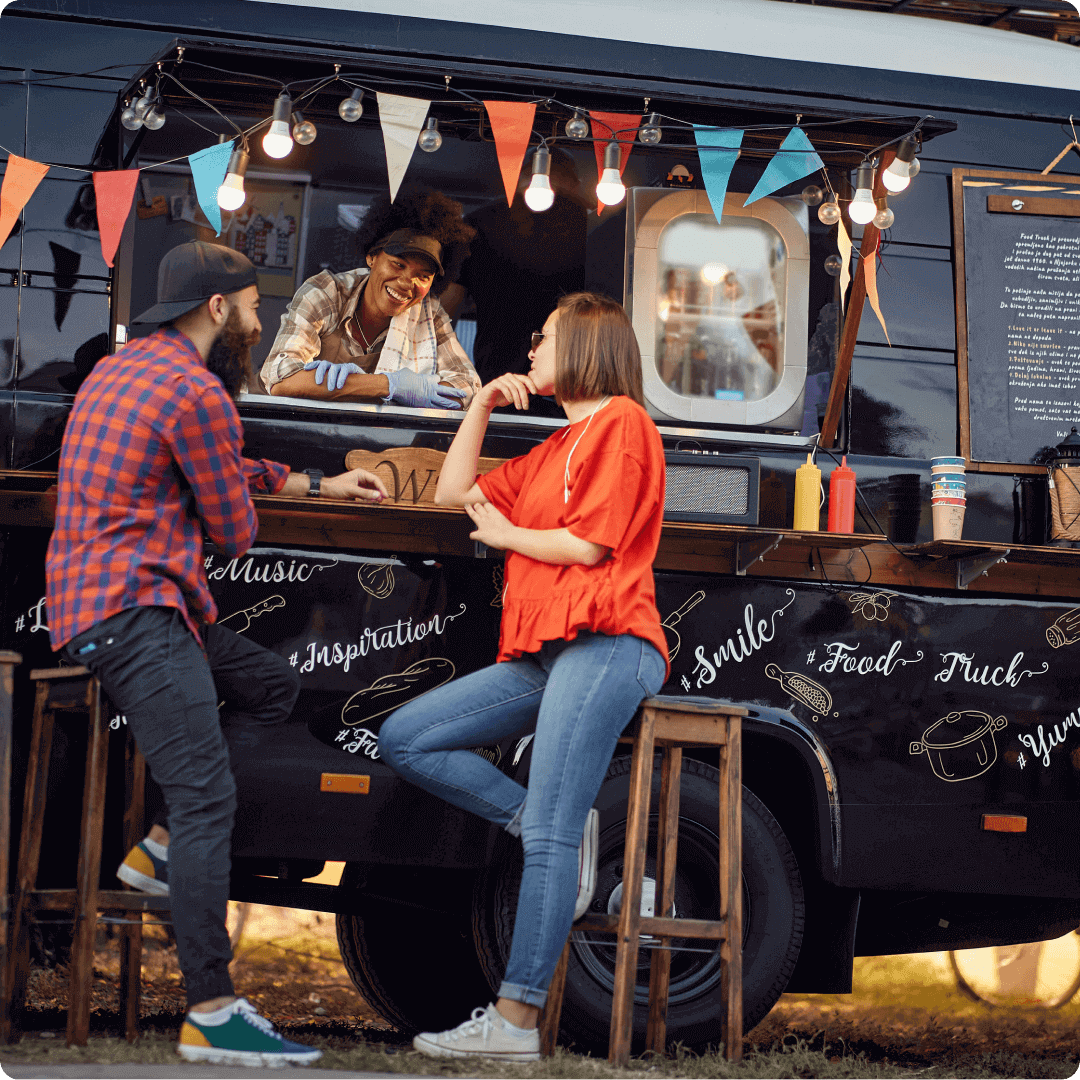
(640, 299)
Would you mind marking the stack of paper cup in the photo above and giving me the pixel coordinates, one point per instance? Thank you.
(947, 496)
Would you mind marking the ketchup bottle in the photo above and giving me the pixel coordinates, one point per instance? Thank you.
(842, 498)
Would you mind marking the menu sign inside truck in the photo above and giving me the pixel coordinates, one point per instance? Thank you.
(1017, 313)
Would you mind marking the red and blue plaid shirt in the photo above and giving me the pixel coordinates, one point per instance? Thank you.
(151, 460)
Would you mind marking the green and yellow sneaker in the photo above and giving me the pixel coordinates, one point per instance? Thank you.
(237, 1035)
(144, 869)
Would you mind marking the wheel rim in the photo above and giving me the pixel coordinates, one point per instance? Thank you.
(695, 965)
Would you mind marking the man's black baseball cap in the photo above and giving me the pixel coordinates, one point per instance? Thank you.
(192, 273)
(411, 242)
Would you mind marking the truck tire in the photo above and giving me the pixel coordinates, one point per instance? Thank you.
(409, 950)
(773, 914)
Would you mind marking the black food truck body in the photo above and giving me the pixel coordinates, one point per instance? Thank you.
(907, 701)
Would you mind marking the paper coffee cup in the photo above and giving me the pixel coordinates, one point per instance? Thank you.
(948, 521)
(946, 470)
(948, 461)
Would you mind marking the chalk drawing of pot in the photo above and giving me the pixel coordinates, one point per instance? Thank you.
(960, 746)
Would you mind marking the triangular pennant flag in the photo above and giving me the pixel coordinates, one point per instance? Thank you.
(511, 124)
(613, 125)
(115, 192)
(870, 275)
(20, 181)
(843, 244)
(208, 169)
(716, 165)
(795, 158)
(401, 119)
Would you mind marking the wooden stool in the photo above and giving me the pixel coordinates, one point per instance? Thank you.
(672, 724)
(74, 689)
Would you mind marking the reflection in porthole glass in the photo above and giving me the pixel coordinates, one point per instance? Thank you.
(720, 332)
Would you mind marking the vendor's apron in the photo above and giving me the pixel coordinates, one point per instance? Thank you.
(337, 349)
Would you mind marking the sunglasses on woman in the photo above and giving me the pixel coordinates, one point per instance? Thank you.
(537, 337)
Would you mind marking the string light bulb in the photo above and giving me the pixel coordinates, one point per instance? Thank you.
(303, 131)
(812, 195)
(863, 208)
(610, 191)
(898, 175)
(143, 103)
(154, 117)
(577, 127)
(351, 108)
(430, 138)
(650, 132)
(277, 142)
(829, 212)
(884, 218)
(130, 118)
(538, 195)
(231, 194)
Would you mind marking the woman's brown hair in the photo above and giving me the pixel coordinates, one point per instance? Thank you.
(596, 351)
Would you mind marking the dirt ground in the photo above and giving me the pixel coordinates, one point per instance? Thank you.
(906, 1017)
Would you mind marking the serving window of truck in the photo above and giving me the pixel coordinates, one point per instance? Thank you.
(908, 689)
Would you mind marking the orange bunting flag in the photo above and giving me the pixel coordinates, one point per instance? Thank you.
(870, 273)
(612, 125)
(115, 192)
(20, 181)
(511, 124)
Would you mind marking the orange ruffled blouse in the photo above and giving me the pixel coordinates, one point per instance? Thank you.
(616, 500)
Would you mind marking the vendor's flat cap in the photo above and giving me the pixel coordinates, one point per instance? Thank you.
(192, 273)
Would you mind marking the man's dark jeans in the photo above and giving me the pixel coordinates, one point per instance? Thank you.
(158, 676)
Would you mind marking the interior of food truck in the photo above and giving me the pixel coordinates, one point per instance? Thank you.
(740, 329)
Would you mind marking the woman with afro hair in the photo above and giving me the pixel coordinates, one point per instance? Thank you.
(378, 332)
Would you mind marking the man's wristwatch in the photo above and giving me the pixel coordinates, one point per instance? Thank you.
(315, 477)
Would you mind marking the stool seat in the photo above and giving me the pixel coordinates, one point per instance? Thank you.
(76, 690)
(671, 724)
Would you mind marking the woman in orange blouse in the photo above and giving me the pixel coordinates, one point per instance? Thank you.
(581, 643)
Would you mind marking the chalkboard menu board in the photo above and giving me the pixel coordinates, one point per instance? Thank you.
(1017, 314)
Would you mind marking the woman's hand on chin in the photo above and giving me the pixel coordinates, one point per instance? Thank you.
(508, 389)
(492, 528)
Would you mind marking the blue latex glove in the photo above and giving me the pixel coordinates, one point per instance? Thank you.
(335, 374)
(422, 391)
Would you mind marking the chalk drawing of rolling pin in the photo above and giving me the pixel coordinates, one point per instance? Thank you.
(809, 693)
(239, 621)
(673, 639)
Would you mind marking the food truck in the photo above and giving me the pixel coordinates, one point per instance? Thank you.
(911, 752)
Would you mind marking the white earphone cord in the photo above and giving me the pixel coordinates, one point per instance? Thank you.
(566, 471)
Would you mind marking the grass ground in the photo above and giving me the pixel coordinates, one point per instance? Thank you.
(904, 1019)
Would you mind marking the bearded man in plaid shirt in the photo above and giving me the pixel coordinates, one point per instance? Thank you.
(151, 462)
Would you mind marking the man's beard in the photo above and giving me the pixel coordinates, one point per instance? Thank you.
(230, 355)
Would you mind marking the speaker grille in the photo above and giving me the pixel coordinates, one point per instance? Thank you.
(698, 489)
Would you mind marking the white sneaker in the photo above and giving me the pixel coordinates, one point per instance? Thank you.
(586, 882)
(485, 1034)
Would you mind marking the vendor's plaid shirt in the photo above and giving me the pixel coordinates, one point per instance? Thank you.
(324, 304)
(151, 459)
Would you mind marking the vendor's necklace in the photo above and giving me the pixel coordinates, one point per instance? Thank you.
(363, 337)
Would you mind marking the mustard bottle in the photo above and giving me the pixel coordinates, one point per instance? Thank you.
(807, 496)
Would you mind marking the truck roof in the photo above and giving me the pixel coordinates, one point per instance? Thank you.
(769, 28)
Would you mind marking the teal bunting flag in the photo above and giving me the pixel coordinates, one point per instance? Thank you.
(208, 168)
(795, 159)
(716, 164)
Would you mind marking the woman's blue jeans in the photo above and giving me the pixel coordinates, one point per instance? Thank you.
(578, 696)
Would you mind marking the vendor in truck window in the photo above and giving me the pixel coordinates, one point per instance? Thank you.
(378, 333)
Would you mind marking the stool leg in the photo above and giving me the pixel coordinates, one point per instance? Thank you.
(18, 958)
(667, 844)
(637, 836)
(89, 872)
(731, 888)
(552, 1011)
(131, 936)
